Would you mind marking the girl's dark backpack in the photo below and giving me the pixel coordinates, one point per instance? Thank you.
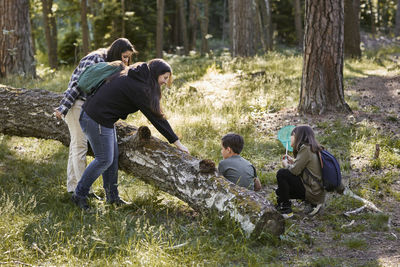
(331, 176)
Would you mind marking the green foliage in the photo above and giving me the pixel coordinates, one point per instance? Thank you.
(68, 52)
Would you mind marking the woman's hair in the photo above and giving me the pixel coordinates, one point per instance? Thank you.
(157, 67)
(119, 46)
(304, 135)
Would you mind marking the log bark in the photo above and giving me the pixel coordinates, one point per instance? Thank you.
(30, 113)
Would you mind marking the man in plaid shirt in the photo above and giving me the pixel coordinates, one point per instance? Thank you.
(71, 105)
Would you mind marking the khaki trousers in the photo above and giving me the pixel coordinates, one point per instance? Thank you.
(77, 148)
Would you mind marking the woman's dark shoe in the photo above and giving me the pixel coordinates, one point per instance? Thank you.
(119, 202)
(94, 196)
(80, 202)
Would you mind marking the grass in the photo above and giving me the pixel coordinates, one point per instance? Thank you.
(211, 96)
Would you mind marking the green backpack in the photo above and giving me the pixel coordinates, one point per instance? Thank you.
(95, 75)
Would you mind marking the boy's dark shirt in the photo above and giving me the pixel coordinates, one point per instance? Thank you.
(124, 95)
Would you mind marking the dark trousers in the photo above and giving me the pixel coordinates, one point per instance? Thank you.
(290, 186)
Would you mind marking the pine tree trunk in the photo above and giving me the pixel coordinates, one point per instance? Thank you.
(193, 14)
(264, 13)
(298, 22)
(148, 158)
(182, 18)
(351, 31)
(241, 14)
(16, 54)
(204, 29)
(50, 28)
(322, 80)
(160, 28)
(85, 28)
(397, 26)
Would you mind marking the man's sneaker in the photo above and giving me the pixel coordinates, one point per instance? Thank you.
(312, 210)
(80, 202)
(94, 196)
(119, 202)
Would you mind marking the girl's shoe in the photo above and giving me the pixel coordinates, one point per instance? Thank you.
(312, 209)
(285, 210)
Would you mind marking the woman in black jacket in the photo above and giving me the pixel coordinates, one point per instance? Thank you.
(137, 88)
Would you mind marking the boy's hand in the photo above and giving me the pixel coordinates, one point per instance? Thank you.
(257, 184)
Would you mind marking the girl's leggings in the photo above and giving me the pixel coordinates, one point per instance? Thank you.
(290, 186)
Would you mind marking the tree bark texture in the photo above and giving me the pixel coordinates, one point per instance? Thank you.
(29, 113)
(182, 18)
(265, 21)
(193, 17)
(397, 26)
(50, 29)
(241, 16)
(85, 28)
(160, 28)
(351, 30)
(204, 28)
(322, 80)
(298, 22)
(16, 54)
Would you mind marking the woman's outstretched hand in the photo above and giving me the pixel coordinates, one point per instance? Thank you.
(181, 147)
(58, 114)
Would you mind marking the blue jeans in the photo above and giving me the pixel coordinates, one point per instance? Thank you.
(103, 142)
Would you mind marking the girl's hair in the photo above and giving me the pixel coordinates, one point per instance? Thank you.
(119, 46)
(304, 135)
(157, 67)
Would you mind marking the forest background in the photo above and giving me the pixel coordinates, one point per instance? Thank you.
(220, 86)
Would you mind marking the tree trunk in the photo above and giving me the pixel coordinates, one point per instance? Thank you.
(264, 13)
(16, 54)
(298, 22)
(150, 159)
(85, 28)
(204, 29)
(160, 28)
(322, 80)
(182, 17)
(351, 31)
(193, 14)
(397, 27)
(241, 14)
(123, 31)
(50, 29)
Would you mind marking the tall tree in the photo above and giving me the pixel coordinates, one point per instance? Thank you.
(50, 29)
(193, 16)
(182, 18)
(351, 30)
(160, 28)
(265, 22)
(123, 31)
(85, 28)
(204, 28)
(241, 14)
(16, 54)
(298, 22)
(397, 27)
(322, 80)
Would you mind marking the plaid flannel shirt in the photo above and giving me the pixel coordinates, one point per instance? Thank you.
(72, 93)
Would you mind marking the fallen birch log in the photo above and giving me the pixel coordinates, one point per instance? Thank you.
(29, 113)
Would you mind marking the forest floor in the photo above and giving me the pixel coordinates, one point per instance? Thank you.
(378, 97)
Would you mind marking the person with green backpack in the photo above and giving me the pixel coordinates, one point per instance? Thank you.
(136, 88)
(71, 105)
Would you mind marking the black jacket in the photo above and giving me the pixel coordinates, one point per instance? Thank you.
(124, 95)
